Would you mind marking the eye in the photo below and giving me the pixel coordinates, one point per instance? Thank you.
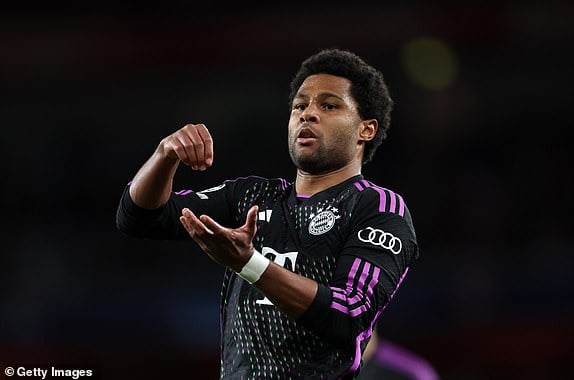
(299, 106)
(329, 106)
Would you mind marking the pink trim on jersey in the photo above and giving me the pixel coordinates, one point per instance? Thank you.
(393, 201)
(401, 205)
(358, 296)
(382, 199)
(353, 272)
(369, 331)
(394, 197)
(393, 205)
(358, 340)
(183, 192)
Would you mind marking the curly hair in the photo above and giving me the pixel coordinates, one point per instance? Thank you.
(368, 88)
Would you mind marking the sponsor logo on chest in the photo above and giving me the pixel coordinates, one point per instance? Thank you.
(285, 259)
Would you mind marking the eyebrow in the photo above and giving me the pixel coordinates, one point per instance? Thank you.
(320, 95)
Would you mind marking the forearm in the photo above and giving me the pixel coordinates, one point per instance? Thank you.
(310, 304)
(289, 292)
(339, 311)
(152, 185)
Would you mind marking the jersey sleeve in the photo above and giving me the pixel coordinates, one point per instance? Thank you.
(163, 222)
(379, 249)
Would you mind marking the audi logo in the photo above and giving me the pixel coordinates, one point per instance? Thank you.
(381, 239)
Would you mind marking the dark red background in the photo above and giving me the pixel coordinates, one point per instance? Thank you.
(89, 90)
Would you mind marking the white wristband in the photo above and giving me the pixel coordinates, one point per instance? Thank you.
(254, 268)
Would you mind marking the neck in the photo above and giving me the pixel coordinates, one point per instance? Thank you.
(309, 183)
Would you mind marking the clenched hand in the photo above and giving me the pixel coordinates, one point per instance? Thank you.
(191, 145)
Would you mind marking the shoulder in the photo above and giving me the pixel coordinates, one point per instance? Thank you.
(255, 186)
(381, 216)
(381, 200)
(257, 181)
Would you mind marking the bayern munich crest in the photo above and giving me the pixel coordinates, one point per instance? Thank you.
(323, 221)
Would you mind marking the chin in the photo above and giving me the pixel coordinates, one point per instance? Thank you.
(316, 166)
(316, 162)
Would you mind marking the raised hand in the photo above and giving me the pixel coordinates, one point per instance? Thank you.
(191, 145)
(231, 247)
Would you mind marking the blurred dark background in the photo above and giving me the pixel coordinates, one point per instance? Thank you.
(479, 148)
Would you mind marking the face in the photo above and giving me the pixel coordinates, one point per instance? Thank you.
(324, 124)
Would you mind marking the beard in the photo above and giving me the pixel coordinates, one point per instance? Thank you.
(320, 160)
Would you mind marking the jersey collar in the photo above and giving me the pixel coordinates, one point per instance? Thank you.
(325, 194)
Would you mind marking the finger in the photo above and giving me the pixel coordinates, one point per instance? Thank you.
(170, 146)
(186, 219)
(186, 225)
(211, 224)
(188, 142)
(198, 147)
(196, 237)
(251, 221)
(180, 149)
(193, 224)
(208, 143)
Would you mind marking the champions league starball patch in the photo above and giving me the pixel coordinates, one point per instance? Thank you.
(323, 221)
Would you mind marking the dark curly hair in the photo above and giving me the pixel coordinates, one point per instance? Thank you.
(368, 88)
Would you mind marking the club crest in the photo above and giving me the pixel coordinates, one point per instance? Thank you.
(323, 221)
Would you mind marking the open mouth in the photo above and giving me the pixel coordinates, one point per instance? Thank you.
(306, 133)
(306, 136)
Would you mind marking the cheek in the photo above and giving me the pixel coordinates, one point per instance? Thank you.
(292, 125)
(345, 132)
(345, 138)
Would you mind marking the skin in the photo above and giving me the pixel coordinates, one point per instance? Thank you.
(371, 346)
(324, 106)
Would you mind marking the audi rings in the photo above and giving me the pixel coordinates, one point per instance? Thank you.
(381, 238)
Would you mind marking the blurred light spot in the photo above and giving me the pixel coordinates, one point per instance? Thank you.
(429, 63)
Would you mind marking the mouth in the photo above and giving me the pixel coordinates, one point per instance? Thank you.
(306, 136)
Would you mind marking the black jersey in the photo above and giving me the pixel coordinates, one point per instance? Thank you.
(355, 239)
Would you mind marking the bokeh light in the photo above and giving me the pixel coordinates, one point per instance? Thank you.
(429, 63)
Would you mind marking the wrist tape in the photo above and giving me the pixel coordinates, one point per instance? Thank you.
(254, 268)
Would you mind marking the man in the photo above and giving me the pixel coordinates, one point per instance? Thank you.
(311, 264)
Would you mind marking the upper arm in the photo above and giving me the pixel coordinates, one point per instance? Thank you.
(377, 251)
(386, 240)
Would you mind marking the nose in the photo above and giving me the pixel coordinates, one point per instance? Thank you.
(310, 114)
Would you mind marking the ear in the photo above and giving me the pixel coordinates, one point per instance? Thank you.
(368, 129)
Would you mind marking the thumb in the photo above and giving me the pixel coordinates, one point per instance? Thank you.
(251, 221)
